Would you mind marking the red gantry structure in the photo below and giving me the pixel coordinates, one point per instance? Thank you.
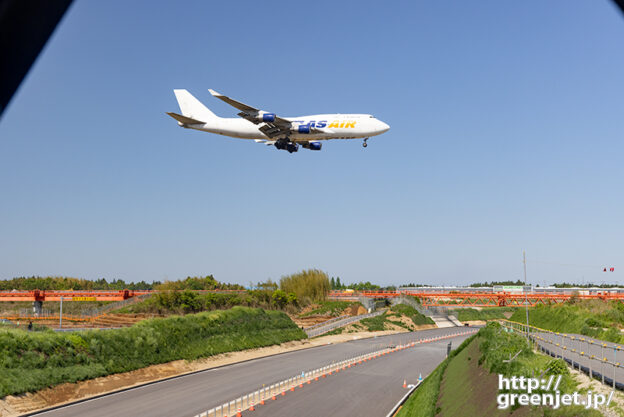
(95, 295)
(478, 299)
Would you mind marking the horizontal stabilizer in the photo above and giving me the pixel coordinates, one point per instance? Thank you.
(185, 120)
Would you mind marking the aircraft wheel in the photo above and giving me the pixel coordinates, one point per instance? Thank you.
(365, 144)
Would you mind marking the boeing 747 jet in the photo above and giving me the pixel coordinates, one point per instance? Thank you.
(286, 133)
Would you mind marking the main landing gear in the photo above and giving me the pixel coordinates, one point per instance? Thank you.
(286, 145)
(365, 144)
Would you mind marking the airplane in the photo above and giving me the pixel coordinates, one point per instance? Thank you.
(285, 133)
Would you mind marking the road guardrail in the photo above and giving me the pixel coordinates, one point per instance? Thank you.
(563, 345)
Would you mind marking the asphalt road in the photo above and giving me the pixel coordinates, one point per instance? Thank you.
(376, 384)
(367, 390)
(576, 360)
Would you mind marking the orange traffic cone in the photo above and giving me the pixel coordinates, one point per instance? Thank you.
(404, 384)
(239, 413)
(251, 408)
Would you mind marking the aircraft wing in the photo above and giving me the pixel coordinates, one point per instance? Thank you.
(274, 125)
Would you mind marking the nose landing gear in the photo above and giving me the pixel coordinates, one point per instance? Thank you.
(365, 144)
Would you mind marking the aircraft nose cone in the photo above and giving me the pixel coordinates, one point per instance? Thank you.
(384, 127)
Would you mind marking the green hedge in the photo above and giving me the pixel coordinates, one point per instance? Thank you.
(34, 360)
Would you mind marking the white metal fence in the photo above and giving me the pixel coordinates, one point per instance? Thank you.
(328, 327)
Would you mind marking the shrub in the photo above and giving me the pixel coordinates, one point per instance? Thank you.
(310, 284)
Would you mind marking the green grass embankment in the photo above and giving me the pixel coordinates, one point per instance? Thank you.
(594, 318)
(466, 384)
(410, 312)
(396, 316)
(488, 313)
(422, 403)
(31, 361)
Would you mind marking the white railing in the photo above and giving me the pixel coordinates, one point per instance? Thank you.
(339, 323)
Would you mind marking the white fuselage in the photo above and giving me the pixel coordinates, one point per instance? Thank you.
(333, 126)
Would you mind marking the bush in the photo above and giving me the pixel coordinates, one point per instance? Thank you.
(310, 284)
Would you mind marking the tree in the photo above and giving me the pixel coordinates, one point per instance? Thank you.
(338, 284)
(333, 283)
(280, 298)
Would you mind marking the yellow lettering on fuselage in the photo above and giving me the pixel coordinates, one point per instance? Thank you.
(344, 124)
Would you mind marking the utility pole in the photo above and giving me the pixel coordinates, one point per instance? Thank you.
(526, 296)
(61, 314)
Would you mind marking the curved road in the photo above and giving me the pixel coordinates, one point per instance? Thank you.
(369, 389)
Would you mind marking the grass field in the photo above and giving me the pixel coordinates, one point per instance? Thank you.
(33, 360)
(593, 318)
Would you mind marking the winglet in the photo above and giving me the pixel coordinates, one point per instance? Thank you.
(214, 93)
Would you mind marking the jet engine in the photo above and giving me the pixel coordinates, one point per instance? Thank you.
(266, 117)
(313, 146)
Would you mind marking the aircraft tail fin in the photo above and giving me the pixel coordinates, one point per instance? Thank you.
(192, 108)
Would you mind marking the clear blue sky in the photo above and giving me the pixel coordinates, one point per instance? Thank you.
(507, 128)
